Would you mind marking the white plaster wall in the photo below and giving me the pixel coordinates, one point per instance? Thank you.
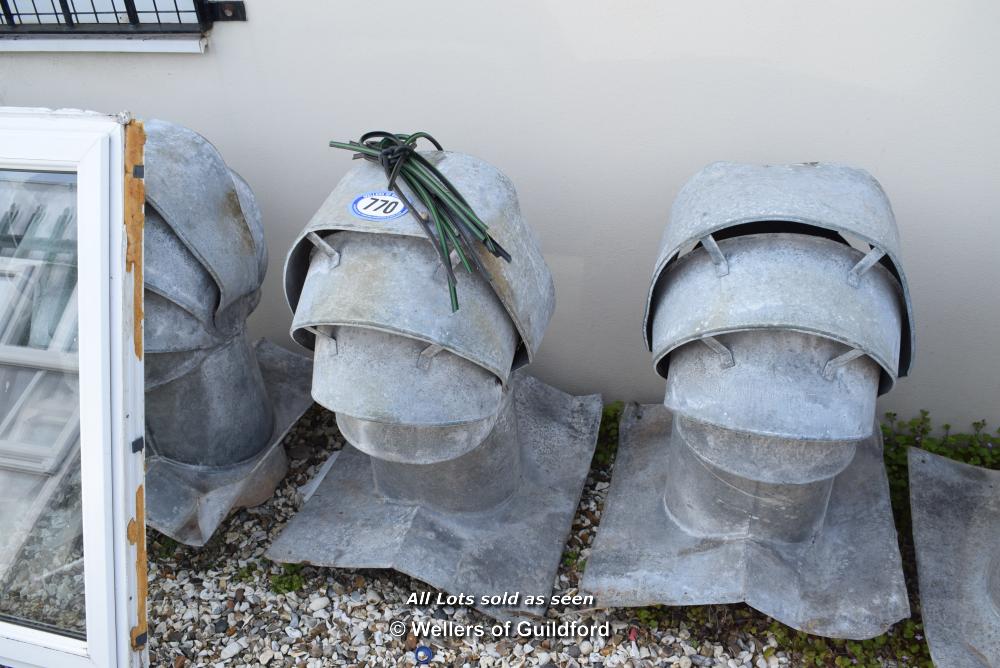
(599, 111)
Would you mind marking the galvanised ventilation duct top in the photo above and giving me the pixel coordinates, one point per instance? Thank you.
(727, 199)
(761, 478)
(446, 438)
(217, 406)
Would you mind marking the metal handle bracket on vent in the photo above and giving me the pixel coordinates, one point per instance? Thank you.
(830, 370)
(725, 353)
(328, 250)
(718, 257)
(863, 265)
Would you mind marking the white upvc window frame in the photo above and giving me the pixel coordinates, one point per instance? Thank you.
(111, 389)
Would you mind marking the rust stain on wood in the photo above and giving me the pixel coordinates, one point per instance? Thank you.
(137, 536)
(135, 199)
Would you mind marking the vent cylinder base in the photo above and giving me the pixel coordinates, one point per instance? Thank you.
(235, 409)
(188, 502)
(844, 580)
(476, 481)
(505, 535)
(716, 500)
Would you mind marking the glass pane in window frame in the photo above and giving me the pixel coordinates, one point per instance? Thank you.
(94, 147)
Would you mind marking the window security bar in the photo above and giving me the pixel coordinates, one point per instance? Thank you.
(115, 17)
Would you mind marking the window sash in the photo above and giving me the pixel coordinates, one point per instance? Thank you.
(104, 17)
(110, 379)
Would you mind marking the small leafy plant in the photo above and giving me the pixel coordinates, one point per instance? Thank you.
(290, 579)
(570, 558)
(607, 435)
(164, 547)
(246, 573)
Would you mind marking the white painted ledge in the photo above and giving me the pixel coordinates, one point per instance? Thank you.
(104, 44)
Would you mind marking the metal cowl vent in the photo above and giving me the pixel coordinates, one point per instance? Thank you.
(216, 404)
(439, 421)
(777, 313)
(373, 305)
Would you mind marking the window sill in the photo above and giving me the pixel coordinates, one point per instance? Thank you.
(103, 44)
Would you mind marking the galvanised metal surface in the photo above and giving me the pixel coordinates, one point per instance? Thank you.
(190, 186)
(846, 582)
(524, 285)
(708, 499)
(781, 281)
(765, 459)
(188, 502)
(773, 382)
(956, 532)
(219, 413)
(213, 415)
(372, 375)
(478, 480)
(170, 328)
(424, 444)
(162, 368)
(395, 284)
(206, 400)
(175, 280)
(761, 477)
(813, 196)
(248, 205)
(458, 473)
(490, 522)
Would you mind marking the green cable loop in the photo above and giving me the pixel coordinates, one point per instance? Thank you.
(449, 223)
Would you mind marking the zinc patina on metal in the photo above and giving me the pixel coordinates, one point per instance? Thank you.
(524, 285)
(760, 479)
(461, 471)
(956, 532)
(821, 199)
(217, 405)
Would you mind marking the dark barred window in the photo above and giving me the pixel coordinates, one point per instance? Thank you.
(114, 17)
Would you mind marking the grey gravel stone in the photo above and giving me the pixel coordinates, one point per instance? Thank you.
(341, 617)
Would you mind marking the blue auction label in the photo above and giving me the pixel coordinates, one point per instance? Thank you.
(423, 655)
(378, 205)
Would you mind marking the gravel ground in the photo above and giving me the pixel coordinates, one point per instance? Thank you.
(221, 606)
